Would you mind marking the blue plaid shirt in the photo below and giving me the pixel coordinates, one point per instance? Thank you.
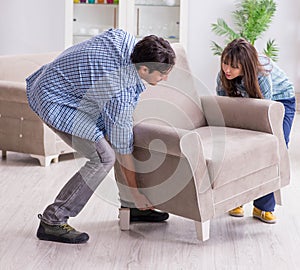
(90, 90)
(275, 85)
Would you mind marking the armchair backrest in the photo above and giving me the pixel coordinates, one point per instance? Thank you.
(174, 102)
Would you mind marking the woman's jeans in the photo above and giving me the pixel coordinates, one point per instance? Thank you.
(267, 202)
(78, 190)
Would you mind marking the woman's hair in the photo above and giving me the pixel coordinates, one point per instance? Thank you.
(155, 53)
(241, 52)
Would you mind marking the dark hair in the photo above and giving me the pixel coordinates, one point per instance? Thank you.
(155, 53)
(241, 52)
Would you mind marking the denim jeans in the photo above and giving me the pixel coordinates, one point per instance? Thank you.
(78, 190)
(267, 202)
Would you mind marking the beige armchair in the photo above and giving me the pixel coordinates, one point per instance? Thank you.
(20, 128)
(198, 155)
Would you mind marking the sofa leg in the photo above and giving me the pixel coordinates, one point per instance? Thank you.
(124, 216)
(202, 229)
(4, 154)
(45, 161)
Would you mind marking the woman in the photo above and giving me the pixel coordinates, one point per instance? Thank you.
(244, 73)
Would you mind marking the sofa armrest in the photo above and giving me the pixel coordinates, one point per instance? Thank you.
(13, 91)
(159, 138)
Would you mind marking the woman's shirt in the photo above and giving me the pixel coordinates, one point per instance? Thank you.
(274, 84)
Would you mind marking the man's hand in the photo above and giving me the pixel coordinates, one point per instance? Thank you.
(127, 166)
(141, 202)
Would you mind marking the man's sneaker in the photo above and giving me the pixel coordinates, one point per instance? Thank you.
(60, 233)
(264, 216)
(237, 212)
(137, 215)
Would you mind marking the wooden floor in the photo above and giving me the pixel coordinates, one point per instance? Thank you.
(235, 243)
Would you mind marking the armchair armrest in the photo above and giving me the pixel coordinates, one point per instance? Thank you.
(246, 113)
(253, 114)
(182, 143)
(191, 147)
(13, 91)
(159, 138)
(174, 141)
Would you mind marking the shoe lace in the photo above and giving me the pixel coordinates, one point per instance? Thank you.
(67, 227)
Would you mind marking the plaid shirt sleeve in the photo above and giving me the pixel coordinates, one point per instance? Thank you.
(265, 84)
(118, 121)
(219, 89)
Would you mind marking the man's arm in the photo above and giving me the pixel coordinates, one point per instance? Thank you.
(127, 166)
(117, 114)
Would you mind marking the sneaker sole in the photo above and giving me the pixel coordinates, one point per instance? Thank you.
(264, 220)
(236, 215)
(63, 240)
(145, 219)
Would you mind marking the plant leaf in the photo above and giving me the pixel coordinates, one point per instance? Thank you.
(251, 19)
(221, 28)
(272, 50)
(216, 48)
(259, 15)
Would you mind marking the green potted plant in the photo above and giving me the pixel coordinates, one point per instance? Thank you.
(251, 19)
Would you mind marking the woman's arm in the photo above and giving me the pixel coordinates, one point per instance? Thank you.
(265, 84)
(219, 89)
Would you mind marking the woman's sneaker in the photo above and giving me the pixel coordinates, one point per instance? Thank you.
(237, 212)
(264, 216)
(60, 233)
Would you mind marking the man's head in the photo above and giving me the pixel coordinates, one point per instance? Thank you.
(154, 58)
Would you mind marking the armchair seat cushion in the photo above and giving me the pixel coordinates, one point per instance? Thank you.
(233, 153)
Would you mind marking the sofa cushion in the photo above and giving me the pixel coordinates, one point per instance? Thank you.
(13, 91)
(233, 153)
(17, 67)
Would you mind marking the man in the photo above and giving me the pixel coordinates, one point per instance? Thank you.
(87, 95)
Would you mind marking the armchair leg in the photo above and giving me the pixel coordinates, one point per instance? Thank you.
(202, 229)
(45, 161)
(124, 216)
(4, 154)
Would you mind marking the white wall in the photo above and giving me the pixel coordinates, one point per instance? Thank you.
(32, 26)
(285, 29)
(39, 26)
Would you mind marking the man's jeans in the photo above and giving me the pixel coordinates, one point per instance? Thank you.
(78, 190)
